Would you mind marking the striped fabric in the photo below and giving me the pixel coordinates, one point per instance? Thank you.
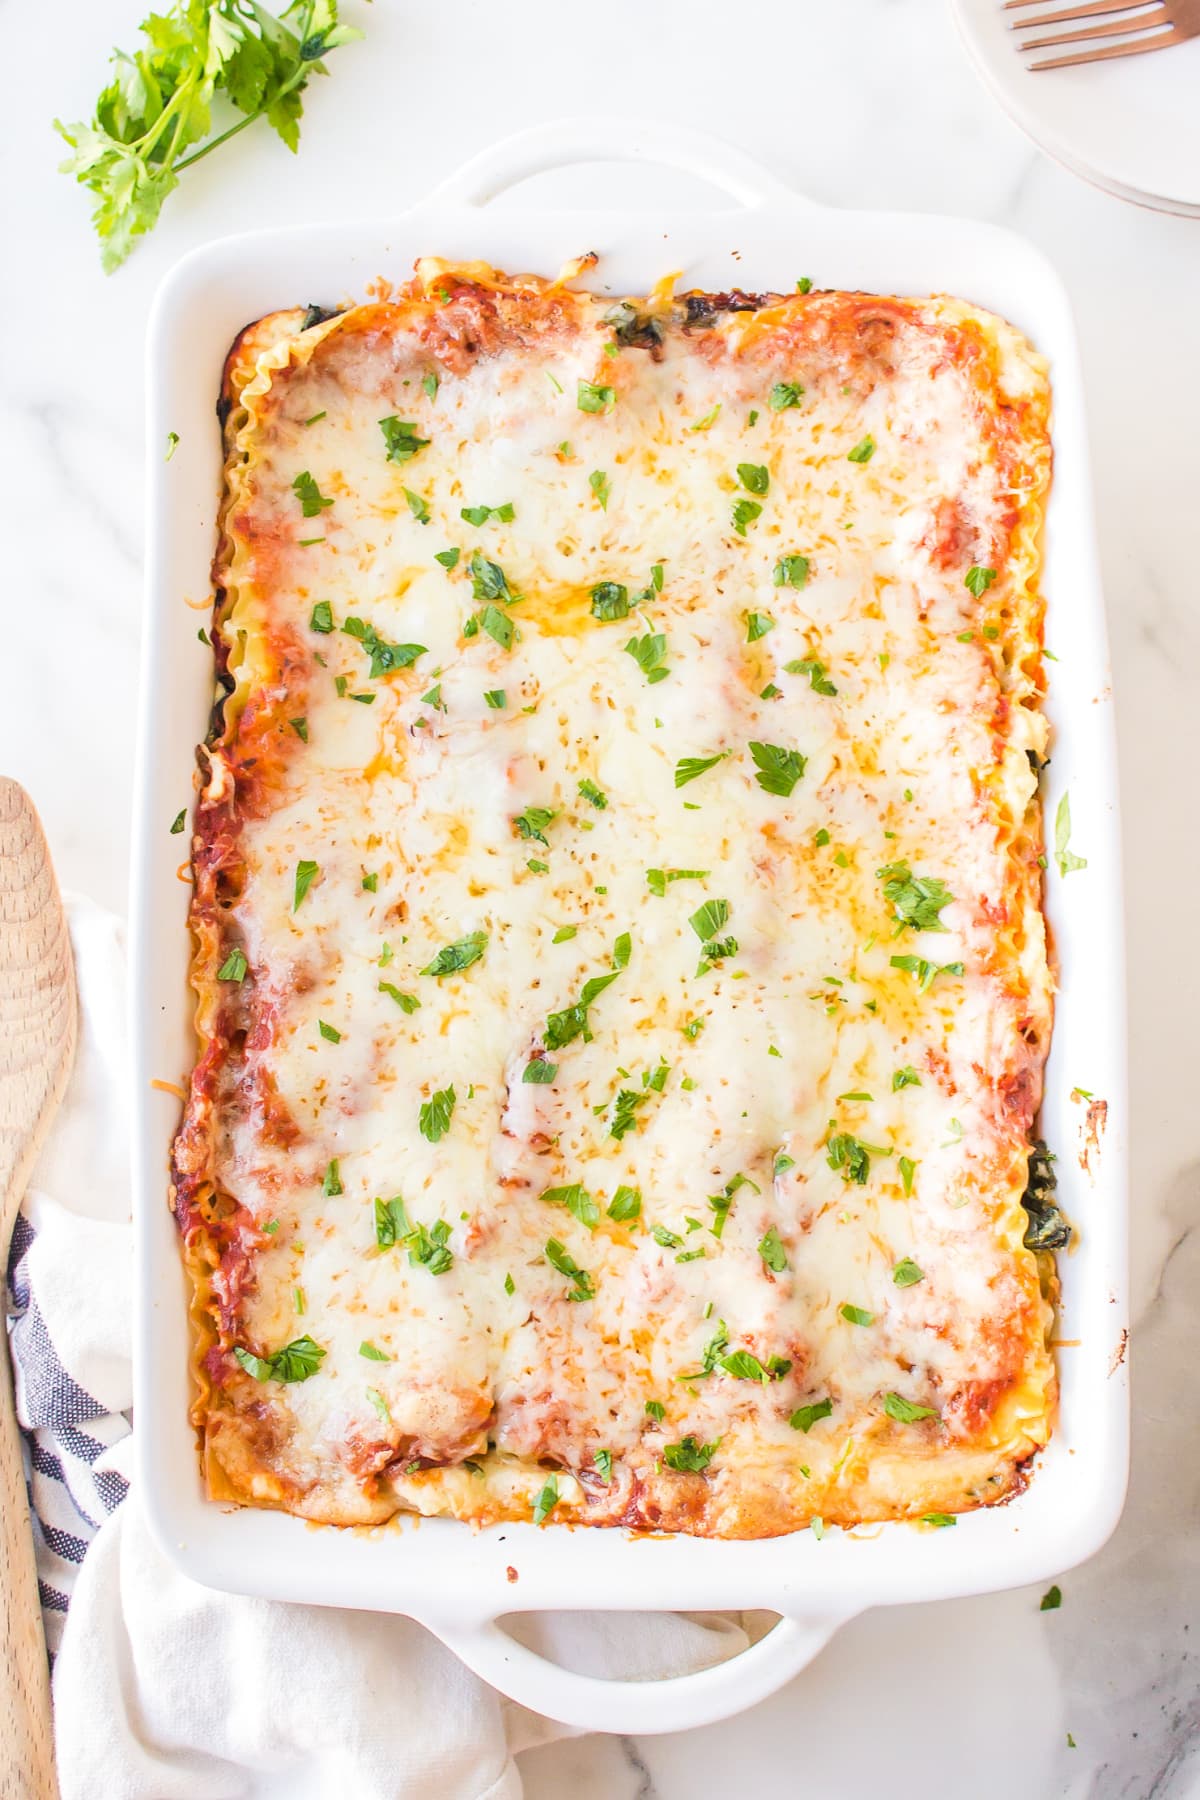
(68, 1439)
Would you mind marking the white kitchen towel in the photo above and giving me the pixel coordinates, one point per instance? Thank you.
(164, 1690)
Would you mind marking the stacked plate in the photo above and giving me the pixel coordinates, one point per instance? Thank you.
(1131, 125)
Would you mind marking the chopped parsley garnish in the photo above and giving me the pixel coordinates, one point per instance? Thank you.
(778, 769)
(658, 879)
(689, 1457)
(745, 1366)
(805, 1417)
(496, 699)
(908, 1169)
(656, 1410)
(429, 383)
(708, 919)
(400, 437)
(754, 478)
(771, 1249)
(300, 727)
(417, 506)
(692, 1031)
(804, 285)
(648, 652)
(852, 1157)
(179, 821)
(306, 873)
(979, 580)
(597, 796)
(593, 399)
(427, 1247)
(1051, 1600)
(391, 1222)
(331, 1184)
(669, 1240)
(531, 824)
(539, 1072)
(743, 514)
(622, 1119)
(560, 1258)
(370, 882)
(321, 617)
(610, 600)
(564, 1027)
(372, 1353)
(432, 698)
(384, 656)
(905, 1077)
(897, 1407)
(498, 626)
(435, 1115)
(603, 1462)
(408, 1003)
(598, 482)
(722, 1203)
(916, 900)
(906, 1273)
(452, 958)
(757, 626)
(818, 679)
(479, 515)
(863, 451)
(791, 571)
(785, 394)
(1064, 856)
(546, 1501)
(938, 1519)
(925, 973)
(330, 1033)
(448, 558)
(625, 1204)
(689, 767)
(576, 1199)
(312, 501)
(856, 1315)
(234, 967)
(295, 1362)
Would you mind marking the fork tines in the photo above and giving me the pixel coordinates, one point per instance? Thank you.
(1133, 26)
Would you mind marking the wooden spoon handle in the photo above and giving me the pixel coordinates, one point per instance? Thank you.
(37, 1043)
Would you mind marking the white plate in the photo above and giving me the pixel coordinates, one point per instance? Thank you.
(453, 1579)
(1131, 125)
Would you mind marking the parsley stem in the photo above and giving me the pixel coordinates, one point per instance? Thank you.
(297, 80)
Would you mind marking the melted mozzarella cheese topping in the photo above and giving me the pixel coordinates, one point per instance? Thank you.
(804, 1122)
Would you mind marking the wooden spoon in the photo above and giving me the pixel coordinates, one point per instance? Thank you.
(37, 1045)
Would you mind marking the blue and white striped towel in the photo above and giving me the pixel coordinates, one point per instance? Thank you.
(69, 1436)
(164, 1690)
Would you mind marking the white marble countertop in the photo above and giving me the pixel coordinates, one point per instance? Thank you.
(861, 103)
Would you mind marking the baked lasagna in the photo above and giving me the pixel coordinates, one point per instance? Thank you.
(622, 990)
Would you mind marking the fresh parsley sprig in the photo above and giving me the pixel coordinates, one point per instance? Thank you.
(154, 119)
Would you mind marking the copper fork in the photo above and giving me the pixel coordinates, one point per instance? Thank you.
(1133, 26)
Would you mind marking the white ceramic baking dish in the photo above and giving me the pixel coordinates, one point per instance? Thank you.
(455, 1580)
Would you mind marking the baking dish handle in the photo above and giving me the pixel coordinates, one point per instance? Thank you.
(639, 1708)
(560, 143)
